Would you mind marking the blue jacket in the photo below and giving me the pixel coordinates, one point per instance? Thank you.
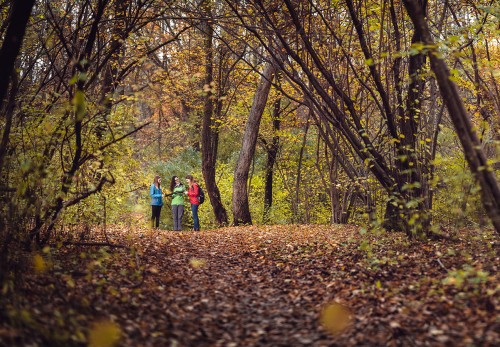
(156, 196)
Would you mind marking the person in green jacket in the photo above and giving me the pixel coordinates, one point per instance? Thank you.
(177, 189)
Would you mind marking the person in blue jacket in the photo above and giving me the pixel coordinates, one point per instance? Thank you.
(156, 201)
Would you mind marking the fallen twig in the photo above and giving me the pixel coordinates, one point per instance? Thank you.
(441, 264)
(94, 244)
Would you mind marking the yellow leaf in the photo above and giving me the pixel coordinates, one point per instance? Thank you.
(104, 334)
(451, 280)
(39, 263)
(70, 282)
(26, 316)
(335, 318)
(197, 263)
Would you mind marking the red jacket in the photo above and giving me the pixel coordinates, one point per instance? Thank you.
(193, 193)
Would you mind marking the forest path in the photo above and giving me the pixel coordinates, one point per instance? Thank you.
(271, 286)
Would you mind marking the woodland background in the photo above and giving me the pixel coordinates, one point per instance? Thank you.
(379, 114)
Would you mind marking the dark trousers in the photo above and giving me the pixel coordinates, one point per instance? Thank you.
(155, 216)
(196, 220)
(177, 213)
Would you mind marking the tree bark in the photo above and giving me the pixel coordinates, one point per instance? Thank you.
(110, 80)
(18, 20)
(9, 116)
(296, 202)
(209, 130)
(475, 156)
(272, 151)
(241, 210)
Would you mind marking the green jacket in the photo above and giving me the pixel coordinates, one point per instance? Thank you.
(178, 195)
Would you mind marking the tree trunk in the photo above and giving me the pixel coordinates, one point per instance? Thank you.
(296, 198)
(410, 175)
(272, 151)
(241, 210)
(490, 190)
(110, 82)
(18, 20)
(209, 132)
(9, 116)
(434, 142)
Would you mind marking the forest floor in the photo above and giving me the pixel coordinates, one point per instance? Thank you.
(258, 286)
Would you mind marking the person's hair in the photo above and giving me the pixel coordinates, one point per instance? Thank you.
(155, 181)
(192, 181)
(172, 183)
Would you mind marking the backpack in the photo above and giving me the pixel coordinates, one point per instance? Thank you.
(201, 195)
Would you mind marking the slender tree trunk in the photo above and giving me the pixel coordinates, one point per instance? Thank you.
(474, 154)
(335, 200)
(209, 131)
(8, 222)
(110, 81)
(241, 209)
(296, 199)
(434, 142)
(272, 151)
(9, 116)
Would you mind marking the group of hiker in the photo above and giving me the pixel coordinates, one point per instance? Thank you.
(178, 191)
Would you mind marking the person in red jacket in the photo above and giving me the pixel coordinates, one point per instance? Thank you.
(192, 192)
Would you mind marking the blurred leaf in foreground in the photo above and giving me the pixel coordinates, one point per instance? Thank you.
(39, 263)
(335, 318)
(104, 334)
